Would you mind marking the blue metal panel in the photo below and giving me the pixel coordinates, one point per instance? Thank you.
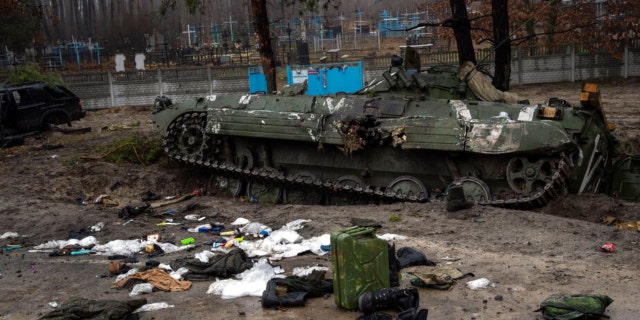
(330, 78)
(257, 80)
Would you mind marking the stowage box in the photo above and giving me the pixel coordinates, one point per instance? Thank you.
(360, 263)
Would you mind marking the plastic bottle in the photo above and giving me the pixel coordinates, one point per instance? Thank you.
(210, 229)
(187, 241)
(81, 252)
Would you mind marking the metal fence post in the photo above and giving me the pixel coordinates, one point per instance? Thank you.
(625, 60)
(111, 91)
(160, 87)
(520, 65)
(572, 48)
(210, 80)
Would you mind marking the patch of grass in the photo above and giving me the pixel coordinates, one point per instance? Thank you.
(133, 149)
(72, 161)
(394, 217)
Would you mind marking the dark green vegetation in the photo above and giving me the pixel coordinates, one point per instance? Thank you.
(133, 149)
(30, 72)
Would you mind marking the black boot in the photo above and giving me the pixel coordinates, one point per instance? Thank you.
(385, 299)
(394, 266)
(456, 199)
(413, 314)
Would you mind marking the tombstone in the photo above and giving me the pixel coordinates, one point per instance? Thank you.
(140, 61)
(120, 58)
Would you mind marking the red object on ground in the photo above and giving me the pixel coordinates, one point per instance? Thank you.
(607, 247)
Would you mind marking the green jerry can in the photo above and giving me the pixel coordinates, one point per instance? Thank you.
(360, 263)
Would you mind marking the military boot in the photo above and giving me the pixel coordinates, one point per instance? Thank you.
(413, 314)
(456, 199)
(387, 298)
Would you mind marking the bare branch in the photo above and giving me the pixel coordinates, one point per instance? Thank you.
(517, 41)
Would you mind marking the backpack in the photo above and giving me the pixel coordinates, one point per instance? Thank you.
(577, 306)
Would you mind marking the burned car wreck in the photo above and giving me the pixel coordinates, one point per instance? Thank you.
(406, 136)
(34, 106)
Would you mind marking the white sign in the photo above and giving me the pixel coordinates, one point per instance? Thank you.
(299, 76)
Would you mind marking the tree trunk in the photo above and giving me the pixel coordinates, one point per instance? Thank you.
(530, 24)
(553, 19)
(261, 25)
(502, 44)
(462, 31)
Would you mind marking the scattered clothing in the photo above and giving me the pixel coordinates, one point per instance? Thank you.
(233, 262)
(81, 308)
(117, 267)
(293, 291)
(149, 196)
(574, 306)
(132, 211)
(441, 278)
(158, 278)
(411, 257)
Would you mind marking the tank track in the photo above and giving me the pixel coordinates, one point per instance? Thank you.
(552, 190)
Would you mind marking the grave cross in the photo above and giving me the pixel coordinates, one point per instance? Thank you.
(189, 32)
(215, 32)
(230, 23)
(341, 18)
(97, 48)
(76, 46)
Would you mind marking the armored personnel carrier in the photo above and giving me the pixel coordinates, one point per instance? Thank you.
(404, 137)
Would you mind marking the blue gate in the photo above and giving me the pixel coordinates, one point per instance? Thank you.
(257, 80)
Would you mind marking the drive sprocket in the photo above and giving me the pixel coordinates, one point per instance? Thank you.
(186, 136)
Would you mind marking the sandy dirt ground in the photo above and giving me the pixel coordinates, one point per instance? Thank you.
(527, 255)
